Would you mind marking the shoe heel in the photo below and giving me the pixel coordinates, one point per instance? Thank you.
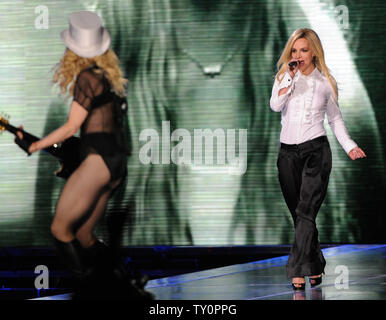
(315, 281)
(299, 286)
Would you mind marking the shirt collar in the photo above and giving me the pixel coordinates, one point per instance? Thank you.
(314, 74)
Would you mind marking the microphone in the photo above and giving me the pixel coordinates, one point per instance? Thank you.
(293, 64)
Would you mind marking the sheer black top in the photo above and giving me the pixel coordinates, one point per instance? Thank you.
(102, 131)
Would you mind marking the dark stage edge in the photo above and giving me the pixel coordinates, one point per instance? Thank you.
(353, 272)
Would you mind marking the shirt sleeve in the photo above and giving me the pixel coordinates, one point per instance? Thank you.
(83, 92)
(277, 102)
(335, 120)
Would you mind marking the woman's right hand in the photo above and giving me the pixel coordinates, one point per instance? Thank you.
(29, 148)
(20, 142)
(292, 73)
(295, 69)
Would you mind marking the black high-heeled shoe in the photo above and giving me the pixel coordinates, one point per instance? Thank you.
(297, 286)
(110, 275)
(315, 281)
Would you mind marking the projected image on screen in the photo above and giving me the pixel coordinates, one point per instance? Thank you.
(205, 142)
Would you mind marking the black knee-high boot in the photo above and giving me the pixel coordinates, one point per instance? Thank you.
(71, 255)
(111, 275)
(98, 261)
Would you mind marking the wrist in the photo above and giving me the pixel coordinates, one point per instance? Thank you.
(34, 147)
(286, 82)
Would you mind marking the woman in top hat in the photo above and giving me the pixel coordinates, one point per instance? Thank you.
(304, 91)
(89, 71)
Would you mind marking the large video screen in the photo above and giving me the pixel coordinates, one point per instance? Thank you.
(205, 141)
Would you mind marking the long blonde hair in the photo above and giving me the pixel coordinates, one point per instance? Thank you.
(316, 47)
(69, 67)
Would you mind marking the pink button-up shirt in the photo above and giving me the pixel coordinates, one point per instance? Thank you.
(303, 109)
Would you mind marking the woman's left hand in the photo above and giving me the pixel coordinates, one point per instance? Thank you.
(356, 153)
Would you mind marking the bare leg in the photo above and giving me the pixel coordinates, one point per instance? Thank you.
(80, 196)
(85, 233)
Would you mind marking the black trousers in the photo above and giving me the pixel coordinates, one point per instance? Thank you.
(304, 171)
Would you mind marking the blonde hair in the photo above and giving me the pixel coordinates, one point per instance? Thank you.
(69, 67)
(316, 47)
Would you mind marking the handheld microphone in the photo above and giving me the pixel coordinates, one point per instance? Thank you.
(293, 64)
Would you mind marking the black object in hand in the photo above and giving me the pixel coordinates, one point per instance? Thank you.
(24, 144)
(293, 64)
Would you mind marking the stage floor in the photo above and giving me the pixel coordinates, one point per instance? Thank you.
(353, 272)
